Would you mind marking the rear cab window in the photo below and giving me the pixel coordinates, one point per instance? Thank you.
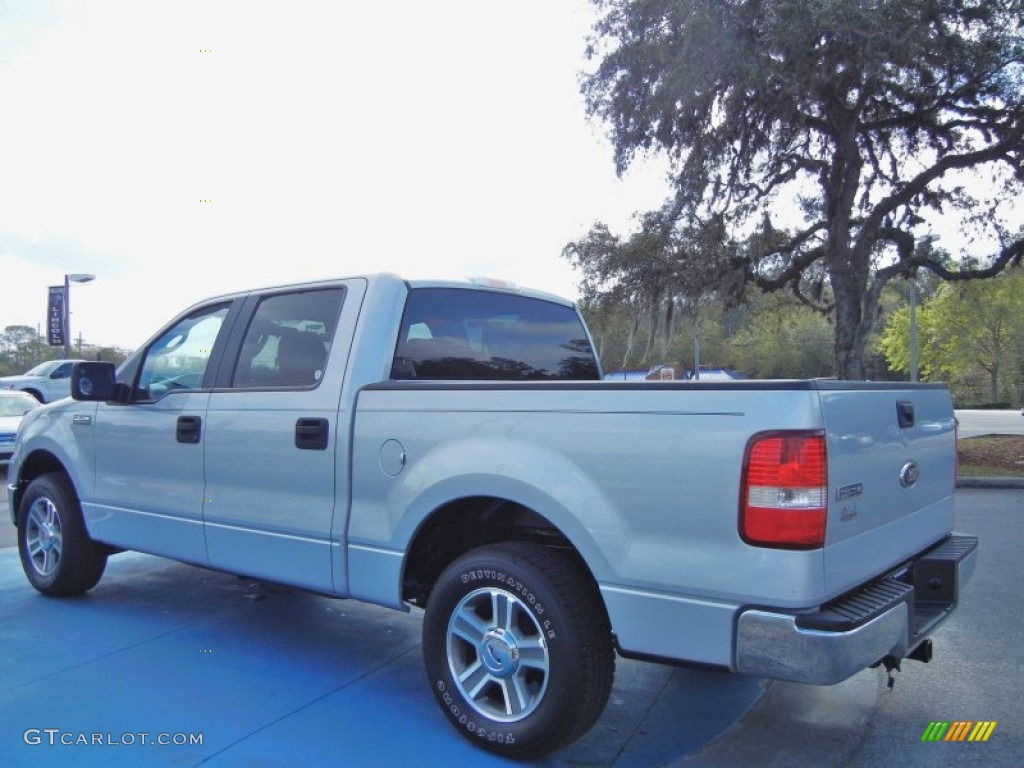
(472, 334)
(288, 340)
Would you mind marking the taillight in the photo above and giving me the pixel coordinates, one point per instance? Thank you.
(785, 490)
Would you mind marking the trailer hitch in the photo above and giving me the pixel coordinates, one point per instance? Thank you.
(922, 653)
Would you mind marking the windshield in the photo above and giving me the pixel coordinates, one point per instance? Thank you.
(17, 404)
(44, 369)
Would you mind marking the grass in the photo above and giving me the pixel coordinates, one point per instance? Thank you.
(992, 456)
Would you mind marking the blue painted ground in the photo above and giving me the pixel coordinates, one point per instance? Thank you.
(269, 676)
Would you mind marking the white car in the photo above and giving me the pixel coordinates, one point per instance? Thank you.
(13, 405)
(46, 382)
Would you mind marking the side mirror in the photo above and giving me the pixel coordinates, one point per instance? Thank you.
(59, 374)
(93, 381)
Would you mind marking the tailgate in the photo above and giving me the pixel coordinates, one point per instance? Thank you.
(891, 467)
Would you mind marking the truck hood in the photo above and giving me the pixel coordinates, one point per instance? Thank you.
(46, 408)
(15, 380)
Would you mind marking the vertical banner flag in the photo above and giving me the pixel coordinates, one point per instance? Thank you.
(55, 316)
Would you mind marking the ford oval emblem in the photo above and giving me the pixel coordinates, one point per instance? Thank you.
(909, 474)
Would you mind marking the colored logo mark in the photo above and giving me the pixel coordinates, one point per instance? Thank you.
(958, 730)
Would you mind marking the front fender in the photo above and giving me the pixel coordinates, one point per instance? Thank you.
(61, 434)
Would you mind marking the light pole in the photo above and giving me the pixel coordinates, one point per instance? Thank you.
(925, 244)
(696, 346)
(74, 277)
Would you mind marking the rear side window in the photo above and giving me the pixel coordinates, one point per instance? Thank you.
(452, 333)
(287, 342)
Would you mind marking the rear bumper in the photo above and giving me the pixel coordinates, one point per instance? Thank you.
(888, 617)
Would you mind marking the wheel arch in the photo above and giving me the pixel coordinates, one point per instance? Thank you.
(467, 523)
(36, 393)
(38, 462)
(466, 493)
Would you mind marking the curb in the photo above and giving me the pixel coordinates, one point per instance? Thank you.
(989, 482)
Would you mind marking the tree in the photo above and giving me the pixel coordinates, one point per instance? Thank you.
(877, 106)
(659, 274)
(964, 329)
(115, 355)
(20, 349)
(781, 340)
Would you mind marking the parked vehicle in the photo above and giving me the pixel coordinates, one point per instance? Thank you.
(451, 447)
(13, 406)
(46, 382)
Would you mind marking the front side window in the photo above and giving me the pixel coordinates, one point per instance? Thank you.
(287, 342)
(178, 359)
(453, 333)
(43, 369)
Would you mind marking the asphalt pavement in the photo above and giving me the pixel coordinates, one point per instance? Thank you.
(262, 675)
(232, 672)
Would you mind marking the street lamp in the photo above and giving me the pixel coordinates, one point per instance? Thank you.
(925, 244)
(74, 277)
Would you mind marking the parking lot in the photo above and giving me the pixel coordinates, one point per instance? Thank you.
(266, 675)
(973, 423)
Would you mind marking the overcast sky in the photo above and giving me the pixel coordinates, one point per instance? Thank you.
(432, 139)
(178, 150)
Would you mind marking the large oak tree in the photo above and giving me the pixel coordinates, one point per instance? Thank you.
(966, 328)
(865, 113)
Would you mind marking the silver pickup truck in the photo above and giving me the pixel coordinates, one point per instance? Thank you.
(452, 447)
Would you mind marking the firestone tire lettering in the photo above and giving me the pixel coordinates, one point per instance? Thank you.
(518, 648)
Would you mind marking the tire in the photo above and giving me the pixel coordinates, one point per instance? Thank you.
(37, 395)
(57, 555)
(518, 648)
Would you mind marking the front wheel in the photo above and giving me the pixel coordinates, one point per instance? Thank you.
(518, 648)
(57, 555)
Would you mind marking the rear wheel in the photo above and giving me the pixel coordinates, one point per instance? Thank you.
(57, 555)
(518, 648)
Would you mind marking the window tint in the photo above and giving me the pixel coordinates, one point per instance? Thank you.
(452, 333)
(44, 369)
(178, 359)
(287, 342)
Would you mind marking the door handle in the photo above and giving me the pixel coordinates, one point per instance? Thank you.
(311, 434)
(905, 414)
(189, 429)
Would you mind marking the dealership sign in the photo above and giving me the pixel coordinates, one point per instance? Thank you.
(55, 316)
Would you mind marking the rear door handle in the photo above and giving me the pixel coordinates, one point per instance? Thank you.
(189, 429)
(311, 434)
